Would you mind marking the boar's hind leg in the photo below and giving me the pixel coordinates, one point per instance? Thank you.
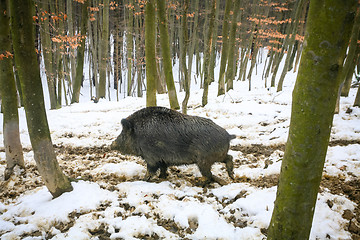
(151, 171)
(229, 166)
(206, 172)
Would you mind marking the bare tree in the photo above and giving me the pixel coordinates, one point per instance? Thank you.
(29, 73)
(314, 96)
(13, 148)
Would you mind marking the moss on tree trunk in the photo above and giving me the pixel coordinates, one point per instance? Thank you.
(165, 50)
(12, 144)
(151, 69)
(328, 28)
(80, 55)
(29, 74)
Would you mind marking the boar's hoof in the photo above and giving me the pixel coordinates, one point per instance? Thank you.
(220, 181)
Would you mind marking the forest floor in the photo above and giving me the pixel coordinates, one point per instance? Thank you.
(110, 200)
(79, 162)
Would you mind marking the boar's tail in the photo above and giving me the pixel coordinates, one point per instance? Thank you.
(232, 136)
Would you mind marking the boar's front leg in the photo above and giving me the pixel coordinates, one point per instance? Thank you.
(163, 168)
(150, 171)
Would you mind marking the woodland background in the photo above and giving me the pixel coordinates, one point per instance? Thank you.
(112, 36)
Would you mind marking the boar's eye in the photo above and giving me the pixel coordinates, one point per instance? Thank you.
(127, 125)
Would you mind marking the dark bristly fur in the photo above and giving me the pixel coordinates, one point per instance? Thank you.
(164, 137)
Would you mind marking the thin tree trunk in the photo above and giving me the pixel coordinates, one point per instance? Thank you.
(230, 72)
(192, 42)
(207, 54)
(357, 98)
(214, 44)
(70, 24)
(29, 73)
(294, 24)
(165, 51)
(12, 144)
(225, 48)
(93, 56)
(328, 30)
(104, 50)
(139, 41)
(151, 69)
(47, 51)
(80, 54)
(183, 50)
(60, 58)
(130, 46)
(349, 66)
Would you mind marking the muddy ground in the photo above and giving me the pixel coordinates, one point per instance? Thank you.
(77, 163)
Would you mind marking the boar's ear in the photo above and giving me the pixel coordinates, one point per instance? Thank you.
(126, 124)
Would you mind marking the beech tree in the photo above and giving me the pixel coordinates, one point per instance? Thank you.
(165, 52)
(80, 54)
(225, 48)
(151, 69)
(208, 54)
(12, 144)
(184, 38)
(22, 31)
(103, 51)
(329, 24)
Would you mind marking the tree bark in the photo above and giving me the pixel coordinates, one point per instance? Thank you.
(12, 144)
(357, 98)
(130, 45)
(183, 50)
(328, 30)
(103, 51)
(208, 54)
(294, 24)
(230, 72)
(151, 68)
(225, 48)
(80, 54)
(214, 44)
(349, 66)
(165, 51)
(29, 73)
(47, 53)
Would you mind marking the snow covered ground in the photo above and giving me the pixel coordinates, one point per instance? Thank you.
(110, 201)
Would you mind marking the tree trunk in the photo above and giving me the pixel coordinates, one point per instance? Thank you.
(165, 51)
(328, 30)
(47, 52)
(12, 144)
(139, 54)
(207, 54)
(230, 72)
(151, 69)
(103, 50)
(299, 8)
(349, 66)
(80, 54)
(183, 50)
(130, 45)
(29, 73)
(192, 40)
(214, 44)
(70, 24)
(225, 48)
(357, 98)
